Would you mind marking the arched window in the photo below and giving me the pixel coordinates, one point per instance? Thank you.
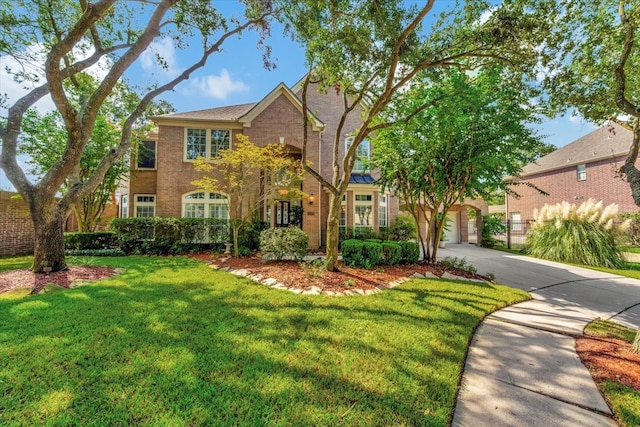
(205, 205)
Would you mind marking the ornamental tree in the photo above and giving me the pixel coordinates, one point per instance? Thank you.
(470, 134)
(248, 176)
(74, 36)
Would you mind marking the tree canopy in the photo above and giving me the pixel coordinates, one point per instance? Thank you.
(469, 132)
(370, 51)
(68, 38)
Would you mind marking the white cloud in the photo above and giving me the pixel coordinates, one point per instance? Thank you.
(161, 50)
(218, 87)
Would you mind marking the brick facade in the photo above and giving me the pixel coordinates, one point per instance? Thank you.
(16, 228)
(602, 183)
(276, 119)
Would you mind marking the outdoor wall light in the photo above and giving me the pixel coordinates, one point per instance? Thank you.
(311, 199)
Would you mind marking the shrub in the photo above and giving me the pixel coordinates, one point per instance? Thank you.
(95, 252)
(410, 252)
(492, 225)
(163, 235)
(92, 240)
(282, 242)
(403, 228)
(582, 235)
(352, 252)
(392, 252)
(632, 237)
(454, 263)
(371, 253)
(249, 235)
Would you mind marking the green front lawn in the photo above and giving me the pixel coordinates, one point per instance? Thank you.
(173, 342)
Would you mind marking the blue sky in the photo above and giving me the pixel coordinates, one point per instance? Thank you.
(237, 75)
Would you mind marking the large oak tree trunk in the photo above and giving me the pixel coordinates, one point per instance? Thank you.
(333, 224)
(48, 223)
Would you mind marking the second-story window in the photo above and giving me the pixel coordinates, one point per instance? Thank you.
(582, 172)
(196, 145)
(219, 141)
(363, 153)
(206, 142)
(147, 155)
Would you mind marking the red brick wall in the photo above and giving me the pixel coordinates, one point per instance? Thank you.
(16, 228)
(602, 183)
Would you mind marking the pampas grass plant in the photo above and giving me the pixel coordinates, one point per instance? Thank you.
(580, 235)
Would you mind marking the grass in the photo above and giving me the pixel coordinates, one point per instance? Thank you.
(630, 249)
(624, 400)
(15, 263)
(173, 342)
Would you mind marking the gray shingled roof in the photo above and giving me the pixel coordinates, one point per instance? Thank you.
(229, 113)
(608, 141)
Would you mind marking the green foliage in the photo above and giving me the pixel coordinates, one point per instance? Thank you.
(455, 263)
(166, 235)
(280, 242)
(352, 252)
(314, 267)
(492, 225)
(579, 235)
(249, 235)
(371, 253)
(90, 240)
(392, 252)
(632, 236)
(95, 252)
(410, 252)
(403, 228)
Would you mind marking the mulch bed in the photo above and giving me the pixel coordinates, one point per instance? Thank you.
(610, 359)
(16, 279)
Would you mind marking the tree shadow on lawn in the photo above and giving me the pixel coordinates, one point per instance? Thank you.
(207, 349)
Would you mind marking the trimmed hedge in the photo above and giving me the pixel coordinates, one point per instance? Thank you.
(95, 252)
(167, 235)
(392, 252)
(410, 252)
(371, 253)
(352, 252)
(90, 240)
(281, 242)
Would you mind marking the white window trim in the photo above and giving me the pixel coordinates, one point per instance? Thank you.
(136, 203)
(207, 141)
(347, 143)
(156, 156)
(584, 172)
(357, 203)
(382, 207)
(206, 201)
(124, 206)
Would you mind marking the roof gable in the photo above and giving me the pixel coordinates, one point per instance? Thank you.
(610, 140)
(281, 89)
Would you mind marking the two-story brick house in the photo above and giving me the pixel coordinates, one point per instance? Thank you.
(586, 168)
(161, 176)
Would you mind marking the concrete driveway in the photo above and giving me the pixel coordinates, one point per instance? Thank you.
(522, 368)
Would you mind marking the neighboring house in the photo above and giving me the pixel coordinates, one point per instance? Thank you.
(586, 168)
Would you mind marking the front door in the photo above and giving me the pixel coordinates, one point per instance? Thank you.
(283, 208)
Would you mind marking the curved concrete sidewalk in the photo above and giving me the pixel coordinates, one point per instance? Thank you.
(522, 368)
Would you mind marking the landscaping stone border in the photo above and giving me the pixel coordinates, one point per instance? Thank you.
(314, 290)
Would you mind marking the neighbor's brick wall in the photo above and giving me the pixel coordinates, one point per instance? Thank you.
(16, 228)
(602, 183)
